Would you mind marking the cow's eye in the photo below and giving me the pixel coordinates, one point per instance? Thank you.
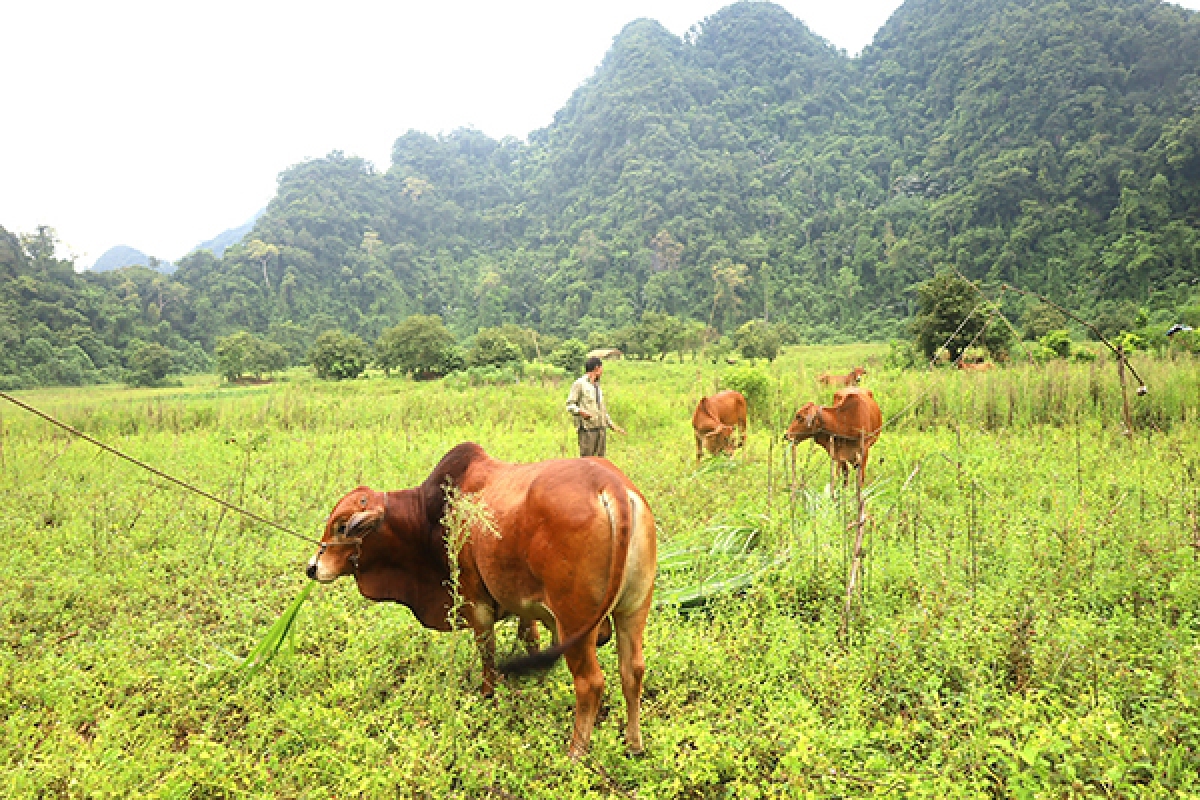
(340, 530)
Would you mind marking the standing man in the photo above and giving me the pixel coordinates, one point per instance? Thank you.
(586, 403)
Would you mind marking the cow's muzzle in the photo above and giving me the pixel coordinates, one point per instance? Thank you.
(311, 570)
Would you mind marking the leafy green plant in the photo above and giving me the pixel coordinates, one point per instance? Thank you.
(755, 386)
(1057, 342)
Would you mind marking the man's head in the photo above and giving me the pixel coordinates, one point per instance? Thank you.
(594, 368)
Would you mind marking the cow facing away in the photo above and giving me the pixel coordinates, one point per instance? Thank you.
(850, 379)
(566, 543)
(714, 421)
(846, 430)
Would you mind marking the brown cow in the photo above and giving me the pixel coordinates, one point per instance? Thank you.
(981, 366)
(852, 379)
(569, 543)
(846, 430)
(714, 420)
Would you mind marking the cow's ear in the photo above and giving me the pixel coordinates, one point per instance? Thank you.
(810, 416)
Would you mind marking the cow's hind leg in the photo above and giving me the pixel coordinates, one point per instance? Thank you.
(589, 691)
(633, 669)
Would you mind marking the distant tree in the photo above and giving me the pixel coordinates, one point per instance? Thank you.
(263, 253)
(292, 338)
(1041, 318)
(416, 346)
(691, 339)
(570, 356)
(757, 339)
(149, 364)
(234, 354)
(660, 333)
(944, 318)
(1114, 318)
(267, 357)
(493, 348)
(525, 338)
(337, 355)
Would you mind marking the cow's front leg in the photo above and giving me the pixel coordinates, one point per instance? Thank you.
(483, 620)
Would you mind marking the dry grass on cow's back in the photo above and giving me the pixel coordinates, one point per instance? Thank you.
(1030, 620)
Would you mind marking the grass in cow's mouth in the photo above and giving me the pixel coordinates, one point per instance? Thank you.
(1028, 622)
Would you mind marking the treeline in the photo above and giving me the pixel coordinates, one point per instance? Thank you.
(422, 347)
(59, 327)
(750, 171)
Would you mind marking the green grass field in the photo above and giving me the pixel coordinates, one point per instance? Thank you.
(1028, 626)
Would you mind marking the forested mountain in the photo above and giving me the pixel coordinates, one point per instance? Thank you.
(749, 169)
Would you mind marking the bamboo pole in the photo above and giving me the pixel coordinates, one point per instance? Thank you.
(856, 559)
(1124, 391)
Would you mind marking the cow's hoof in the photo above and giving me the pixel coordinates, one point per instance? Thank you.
(638, 753)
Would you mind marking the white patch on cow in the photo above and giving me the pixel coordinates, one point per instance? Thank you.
(484, 616)
(639, 574)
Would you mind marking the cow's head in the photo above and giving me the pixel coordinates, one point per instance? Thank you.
(355, 517)
(720, 438)
(805, 424)
(857, 374)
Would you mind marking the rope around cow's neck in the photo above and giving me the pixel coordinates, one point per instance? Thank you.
(180, 483)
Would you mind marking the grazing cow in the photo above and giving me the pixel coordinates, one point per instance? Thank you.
(567, 543)
(846, 430)
(981, 366)
(851, 379)
(714, 420)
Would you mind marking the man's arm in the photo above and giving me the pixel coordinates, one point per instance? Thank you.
(573, 398)
(610, 423)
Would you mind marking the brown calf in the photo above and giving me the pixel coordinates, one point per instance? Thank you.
(714, 420)
(846, 430)
(851, 379)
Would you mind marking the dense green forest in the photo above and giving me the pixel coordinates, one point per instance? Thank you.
(746, 170)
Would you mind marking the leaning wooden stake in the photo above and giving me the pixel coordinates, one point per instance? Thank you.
(1124, 390)
(856, 558)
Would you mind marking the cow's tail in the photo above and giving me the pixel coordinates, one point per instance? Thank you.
(622, 514)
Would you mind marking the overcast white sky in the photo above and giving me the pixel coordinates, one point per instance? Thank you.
(158, 125)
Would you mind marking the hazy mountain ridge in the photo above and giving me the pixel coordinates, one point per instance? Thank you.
(229, 237)
(122, 256)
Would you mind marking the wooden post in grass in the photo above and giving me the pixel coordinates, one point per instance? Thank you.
(1195, 525)
(770, 469)
(971, 542)
(1124, 391)
(856, 559)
